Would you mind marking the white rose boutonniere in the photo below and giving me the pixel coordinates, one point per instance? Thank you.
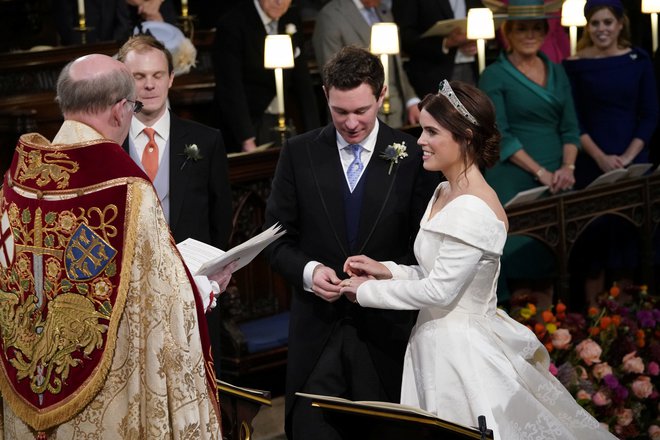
(290, 29)
(192, 153)
(393, 153)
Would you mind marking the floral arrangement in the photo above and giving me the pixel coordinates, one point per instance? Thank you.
(609, 359)
(393, 153)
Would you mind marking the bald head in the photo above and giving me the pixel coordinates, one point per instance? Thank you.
(92, 83)
(93, 89)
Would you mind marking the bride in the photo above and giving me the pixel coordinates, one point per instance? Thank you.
(466, 357)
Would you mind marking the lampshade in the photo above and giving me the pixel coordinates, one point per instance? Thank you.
(384, 39)
(480, 24)
(572, 13)
(649, 6)
(278, 52)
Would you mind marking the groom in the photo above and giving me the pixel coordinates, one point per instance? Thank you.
(336, 196)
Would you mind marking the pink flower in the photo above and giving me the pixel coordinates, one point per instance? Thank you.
(632, 363)
(561, 339)
(642, 387)
(654, 432)
(601, 399)
(589, 351)
(553, 369)
(652, 368)
(582, 395)
(601, 370)
(624, 416)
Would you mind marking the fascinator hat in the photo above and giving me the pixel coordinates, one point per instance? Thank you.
(524, 9)
(614, 4)
(184, 54)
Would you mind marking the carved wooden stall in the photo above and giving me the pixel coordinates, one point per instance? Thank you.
(559, 220)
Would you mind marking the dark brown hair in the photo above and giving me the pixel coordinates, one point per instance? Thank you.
(480, 144)
(351, 67)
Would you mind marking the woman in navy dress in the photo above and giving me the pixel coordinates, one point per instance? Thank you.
(614, 93)
(615, 97)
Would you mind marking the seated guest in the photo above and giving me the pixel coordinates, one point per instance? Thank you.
(104, 334)
(536, 117)
(244, 89)
(108, 20)
(348, 22)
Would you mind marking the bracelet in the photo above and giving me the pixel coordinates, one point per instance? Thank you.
(570, 166)
(539, 173)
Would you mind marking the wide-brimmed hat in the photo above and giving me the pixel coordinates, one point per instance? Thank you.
(524, 9)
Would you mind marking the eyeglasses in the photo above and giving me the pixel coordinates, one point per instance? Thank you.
(137, 105)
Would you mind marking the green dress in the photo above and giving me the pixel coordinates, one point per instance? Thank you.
(539, 120)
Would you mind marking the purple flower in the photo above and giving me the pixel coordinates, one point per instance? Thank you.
(611, 381)
(645, 318)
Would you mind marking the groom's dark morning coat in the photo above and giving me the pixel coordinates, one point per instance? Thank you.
(307, 198)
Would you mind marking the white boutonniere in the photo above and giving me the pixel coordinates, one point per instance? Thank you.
(192, 153)
(290, 29)
(393, 153)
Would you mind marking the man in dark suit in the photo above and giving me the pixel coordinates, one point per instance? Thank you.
(245, 90)
(190, 175)
(343, 22)
(432, 59)
(337, 196)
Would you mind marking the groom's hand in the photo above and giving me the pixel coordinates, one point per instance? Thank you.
(325, 283)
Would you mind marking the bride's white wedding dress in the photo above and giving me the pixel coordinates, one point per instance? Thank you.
(466, 357)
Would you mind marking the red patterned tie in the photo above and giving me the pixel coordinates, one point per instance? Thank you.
(150, 154)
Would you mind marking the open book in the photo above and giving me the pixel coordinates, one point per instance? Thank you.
(527, 196)
(638, 169)
(204, 259)
(394, 411)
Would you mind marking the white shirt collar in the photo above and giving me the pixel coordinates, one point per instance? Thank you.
(162, 127)
(265, 19)
(369, 143)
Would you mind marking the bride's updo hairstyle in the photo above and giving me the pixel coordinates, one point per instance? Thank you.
(469, 115)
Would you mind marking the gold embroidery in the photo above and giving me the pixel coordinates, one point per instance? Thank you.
(54, 165)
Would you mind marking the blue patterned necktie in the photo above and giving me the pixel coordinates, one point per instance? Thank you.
(356, 167)
(371, 15)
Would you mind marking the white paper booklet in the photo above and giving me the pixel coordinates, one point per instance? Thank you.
(609, 177)
(527, 195)
(204, 259)
(638, 169)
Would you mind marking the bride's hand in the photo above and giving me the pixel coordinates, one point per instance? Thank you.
(361, 265)
(350, 286)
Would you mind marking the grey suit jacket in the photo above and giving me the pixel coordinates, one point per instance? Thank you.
(340, 24)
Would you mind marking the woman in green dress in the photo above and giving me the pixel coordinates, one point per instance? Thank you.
(540, 134)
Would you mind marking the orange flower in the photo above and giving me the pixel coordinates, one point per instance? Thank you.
(594, 331)
(616, 320)
(547, 316)
(532, 308)
(593, 311)
(605, 322)
(549, 346)
(614, 291)
(561, 307)
(539, 329)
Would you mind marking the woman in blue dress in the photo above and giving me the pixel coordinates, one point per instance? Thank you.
(614, 92)
(540, 137)
(615, 97)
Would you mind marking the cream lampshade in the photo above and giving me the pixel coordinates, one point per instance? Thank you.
(480, 27)
(278, 55)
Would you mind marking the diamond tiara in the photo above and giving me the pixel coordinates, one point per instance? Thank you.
(446, 90)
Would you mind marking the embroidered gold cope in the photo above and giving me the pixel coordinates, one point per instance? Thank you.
(58, 274)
